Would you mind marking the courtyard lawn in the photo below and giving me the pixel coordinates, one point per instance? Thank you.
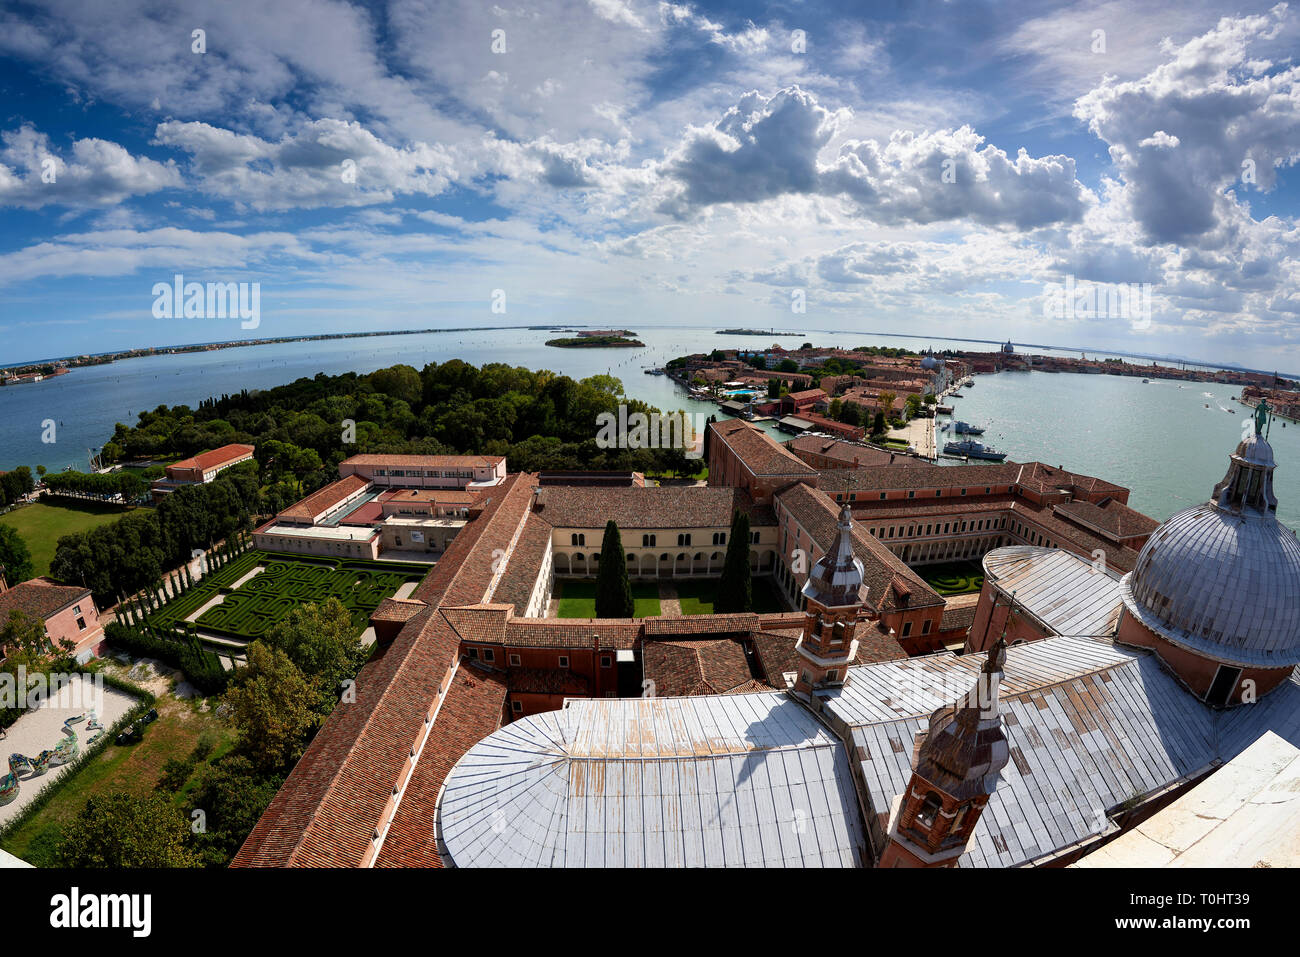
(953, 578)
(697, 596)
(135, 768)
(578, 599)
(41, 525)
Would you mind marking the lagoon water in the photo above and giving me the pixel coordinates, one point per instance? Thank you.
(1159, 440)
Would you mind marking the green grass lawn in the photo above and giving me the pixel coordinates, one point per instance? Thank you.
(41, 525)
(134, 768)
(953, 578)
(578, 599)
(697, 596)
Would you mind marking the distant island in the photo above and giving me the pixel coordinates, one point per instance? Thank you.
(589, 341)
(47, 367)
(755, 332)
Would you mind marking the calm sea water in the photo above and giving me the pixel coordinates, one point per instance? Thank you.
(1158, 440)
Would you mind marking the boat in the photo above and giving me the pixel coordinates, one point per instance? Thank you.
(973, 450)
(1207, 405)
(963, 428)
(1146, 381)
(955, 395)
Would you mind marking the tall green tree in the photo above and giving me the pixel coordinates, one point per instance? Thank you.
(321, 640)
(736, 587)
(271, 707)
(15, 558)
(613, 590)
(125, 830)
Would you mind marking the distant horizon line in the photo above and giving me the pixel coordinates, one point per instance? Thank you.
(357, 334)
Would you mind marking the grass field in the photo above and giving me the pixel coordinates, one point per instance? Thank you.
(134, 768)
(697, 596)
(578, 599)
(41, 526)
(953, 578)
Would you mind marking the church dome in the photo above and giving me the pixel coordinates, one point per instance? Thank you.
(929, 362)
(1223, 579)
(1008, 348)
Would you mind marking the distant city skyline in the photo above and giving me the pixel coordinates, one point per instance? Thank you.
(949, 169)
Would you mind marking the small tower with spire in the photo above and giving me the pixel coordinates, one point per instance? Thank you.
(833, 594)
(954, 771)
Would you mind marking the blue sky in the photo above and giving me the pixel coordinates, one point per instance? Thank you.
(936, 167)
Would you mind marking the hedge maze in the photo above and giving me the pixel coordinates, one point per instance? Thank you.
(261, 602)
(251, 610)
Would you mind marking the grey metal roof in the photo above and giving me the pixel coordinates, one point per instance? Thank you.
(1063, 591)
(1090, 725)
(1221, 584)
(723, 781)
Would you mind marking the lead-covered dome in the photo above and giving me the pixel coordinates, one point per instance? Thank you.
(929, 362)
(1223, 579)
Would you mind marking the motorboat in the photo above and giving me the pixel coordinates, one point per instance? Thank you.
(973, 450)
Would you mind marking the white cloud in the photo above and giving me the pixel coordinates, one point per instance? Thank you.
(34, 174)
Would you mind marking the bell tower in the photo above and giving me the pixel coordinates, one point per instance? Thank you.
(954, 771)
(833, 594)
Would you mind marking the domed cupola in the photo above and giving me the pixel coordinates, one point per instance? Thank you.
(1216, 588)
(930, 363)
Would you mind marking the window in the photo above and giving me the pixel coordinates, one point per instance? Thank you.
(754, 538)
(882, 496)
(907, 628)
(473, 653)
(516, 706)
(719, 538)
(911, 495)
(489, 655)
(938, 493)
(515, 661)
(606, 661)
(925, 628)
(832, 675)
(928, 813)
(578, 540)
(683, 540)
(963, 491)
(564, 661)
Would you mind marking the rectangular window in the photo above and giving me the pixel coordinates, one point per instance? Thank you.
(489, 655)
(606, 661)
(907, 628)
(516, 706)
(514, 661)
(473, 653)
(925, 628)
(564, 661)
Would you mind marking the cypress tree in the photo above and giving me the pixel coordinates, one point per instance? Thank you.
(736, 587)
(613, 590)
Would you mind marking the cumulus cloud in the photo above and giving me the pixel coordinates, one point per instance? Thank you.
(326, 163)
(768, 146)
(1211, 117)
(98, 173)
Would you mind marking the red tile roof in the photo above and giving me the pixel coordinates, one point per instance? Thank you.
(40, 598)
(702, 666)
(471, 710)
(762, 454)
(206, 461)
(325, 499)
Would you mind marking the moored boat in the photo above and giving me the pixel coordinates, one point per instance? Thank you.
(973, 450)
